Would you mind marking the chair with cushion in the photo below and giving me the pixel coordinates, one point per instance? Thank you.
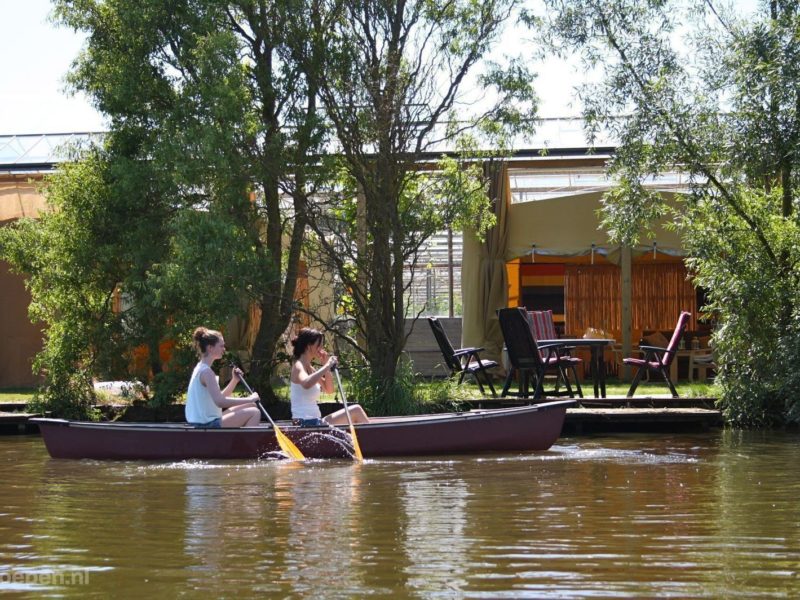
(530, 359)
(464, 360)
(542, 325)
(657, 359)
(544, 328)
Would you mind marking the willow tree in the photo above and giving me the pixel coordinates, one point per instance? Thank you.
(210, 94)
(723, 107)
(394, 72)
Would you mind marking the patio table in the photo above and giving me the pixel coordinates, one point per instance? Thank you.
(596, 362)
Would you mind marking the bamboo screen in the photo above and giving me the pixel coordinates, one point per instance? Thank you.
(592, 298)
(659, 291)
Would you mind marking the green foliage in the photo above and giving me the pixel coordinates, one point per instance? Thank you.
(381, 397)
(394, 72)
(444, 395)
(724, 110)
(108, 234)
(67, 394)
(747, 293)
(215, 129)
(179, 213)
(406, 394)
(628, 208)
(170, 384)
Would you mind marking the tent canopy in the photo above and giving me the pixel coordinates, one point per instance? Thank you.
(569, 225)
(18, 199)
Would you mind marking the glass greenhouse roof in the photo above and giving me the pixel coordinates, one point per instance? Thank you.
(528, 185)
(38, 152)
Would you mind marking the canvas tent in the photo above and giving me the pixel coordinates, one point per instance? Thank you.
(565, 226)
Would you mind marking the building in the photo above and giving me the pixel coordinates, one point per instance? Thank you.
(553, 256)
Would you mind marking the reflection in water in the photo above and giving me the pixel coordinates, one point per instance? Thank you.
(319, 504)
(618, 516)
(435, 510)
(296, 519)
(206, 517)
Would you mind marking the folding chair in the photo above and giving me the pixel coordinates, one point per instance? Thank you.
(464, 360)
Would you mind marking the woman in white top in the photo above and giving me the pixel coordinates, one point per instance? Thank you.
(307, 383)
(205, 401)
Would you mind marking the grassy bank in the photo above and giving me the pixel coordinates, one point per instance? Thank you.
(613, 388)
(16, 395)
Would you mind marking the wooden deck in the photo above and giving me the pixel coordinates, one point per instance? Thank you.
(638, 414)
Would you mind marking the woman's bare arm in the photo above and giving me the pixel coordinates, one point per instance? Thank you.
(208, 379)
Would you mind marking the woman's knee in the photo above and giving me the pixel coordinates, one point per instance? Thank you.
(253, 415)
(244, 416)
(358, 414)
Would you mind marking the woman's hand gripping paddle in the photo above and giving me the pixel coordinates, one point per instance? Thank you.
(356, 448)
(284, 442)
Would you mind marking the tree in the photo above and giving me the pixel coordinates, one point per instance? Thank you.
(209, 96)
(109, 238)
(726, 112)
(393, 73)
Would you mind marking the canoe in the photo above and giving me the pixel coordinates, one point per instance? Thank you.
(526, 428)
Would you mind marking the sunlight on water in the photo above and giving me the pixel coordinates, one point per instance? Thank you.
(619, 516)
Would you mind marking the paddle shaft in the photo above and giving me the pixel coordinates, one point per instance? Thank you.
(258, 402)
(284, 442)
(356, 446)
(341, 393)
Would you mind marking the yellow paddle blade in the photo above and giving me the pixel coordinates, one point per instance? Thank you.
(356, 447)
(287, 445)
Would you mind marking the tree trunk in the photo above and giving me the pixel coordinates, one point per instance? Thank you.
(385, 324)
(262, 365)
(154, 357)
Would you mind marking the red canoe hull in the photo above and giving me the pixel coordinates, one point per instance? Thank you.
(527, 428)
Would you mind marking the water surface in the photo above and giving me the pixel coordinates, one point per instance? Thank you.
(709, 516)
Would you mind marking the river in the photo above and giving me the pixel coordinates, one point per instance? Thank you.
(703, 515)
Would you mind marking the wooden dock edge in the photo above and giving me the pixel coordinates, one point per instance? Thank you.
(583, 421)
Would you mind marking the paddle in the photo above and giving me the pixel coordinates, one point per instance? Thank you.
(356, 447)
(284, 442)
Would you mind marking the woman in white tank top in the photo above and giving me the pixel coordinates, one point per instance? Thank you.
(205, 401)
(307, 383)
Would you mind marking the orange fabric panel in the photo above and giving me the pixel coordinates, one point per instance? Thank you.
(301, 293)
(22, 340)
(140, 362)
(513, 277)
(659, 292)
(539, 280)
(140, 356)
(165, 350)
